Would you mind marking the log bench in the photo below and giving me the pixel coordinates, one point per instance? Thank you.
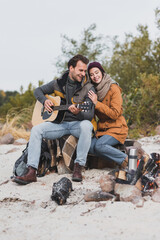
(92, 161)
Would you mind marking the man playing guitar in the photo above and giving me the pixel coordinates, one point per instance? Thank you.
(72, 88)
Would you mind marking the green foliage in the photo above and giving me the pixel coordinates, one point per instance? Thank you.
(89, 45)
(132, 58)
(18, 101)
(142, 105)
(4, 96)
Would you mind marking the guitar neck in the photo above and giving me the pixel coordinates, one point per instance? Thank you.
(61, 107)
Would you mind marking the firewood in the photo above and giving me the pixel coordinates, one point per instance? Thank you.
(61, 167)
(139, 184)
(98, 196)
(122, 175)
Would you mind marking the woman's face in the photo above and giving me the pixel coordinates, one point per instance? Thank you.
(95, 75)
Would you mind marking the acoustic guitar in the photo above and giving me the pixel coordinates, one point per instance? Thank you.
(40, 114)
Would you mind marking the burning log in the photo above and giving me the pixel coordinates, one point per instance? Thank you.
(147, 171)
(138, 172)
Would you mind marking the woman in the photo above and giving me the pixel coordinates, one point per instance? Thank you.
(112, 127)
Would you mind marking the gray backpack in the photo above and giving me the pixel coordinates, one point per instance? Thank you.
(20, 166)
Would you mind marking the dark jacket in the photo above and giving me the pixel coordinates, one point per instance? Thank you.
(58, 88)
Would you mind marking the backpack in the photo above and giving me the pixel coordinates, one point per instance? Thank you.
(20, 166)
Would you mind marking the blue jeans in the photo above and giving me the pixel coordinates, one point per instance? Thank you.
(80, 129)
(102, 147)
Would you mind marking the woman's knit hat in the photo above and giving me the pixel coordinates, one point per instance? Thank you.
(97, 65)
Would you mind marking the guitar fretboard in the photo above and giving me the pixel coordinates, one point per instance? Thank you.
(61, 107)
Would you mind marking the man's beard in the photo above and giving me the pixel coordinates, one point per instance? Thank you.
(77, 78)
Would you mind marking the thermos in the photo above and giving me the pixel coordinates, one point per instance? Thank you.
(132, 159)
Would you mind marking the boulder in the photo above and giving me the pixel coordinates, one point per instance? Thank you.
(157, 181)
(157, 130)
(20, 141)
(156, 195)
(7, 139)
(107, 183)
(127, 193)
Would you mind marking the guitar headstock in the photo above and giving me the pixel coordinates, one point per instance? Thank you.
(85, 106)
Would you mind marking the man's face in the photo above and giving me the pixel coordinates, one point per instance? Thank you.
(77, 73)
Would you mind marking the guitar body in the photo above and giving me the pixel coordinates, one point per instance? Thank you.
(40, 116)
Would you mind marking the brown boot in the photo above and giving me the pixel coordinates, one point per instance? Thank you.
(124, 164)
(28, 178)
(77, 176)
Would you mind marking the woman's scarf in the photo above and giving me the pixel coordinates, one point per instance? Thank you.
(104, 86)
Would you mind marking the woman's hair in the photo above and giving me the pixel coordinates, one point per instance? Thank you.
(73, 61)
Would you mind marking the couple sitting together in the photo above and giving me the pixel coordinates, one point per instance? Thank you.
(77, 85)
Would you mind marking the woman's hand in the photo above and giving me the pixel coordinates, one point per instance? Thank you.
(48, 104)
(93, 96)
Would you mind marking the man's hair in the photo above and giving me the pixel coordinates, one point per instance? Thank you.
(73, 61)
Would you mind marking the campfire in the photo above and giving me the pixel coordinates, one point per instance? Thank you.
(131, 184)
(148, 169)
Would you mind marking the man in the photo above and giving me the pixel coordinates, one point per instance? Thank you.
(72, 87)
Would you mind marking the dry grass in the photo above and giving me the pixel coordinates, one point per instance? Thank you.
(16, 122)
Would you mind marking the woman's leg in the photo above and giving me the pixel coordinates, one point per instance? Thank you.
(104, 148)
(92, 147)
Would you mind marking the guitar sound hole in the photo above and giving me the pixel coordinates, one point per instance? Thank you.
(49, 113)
(46, 115)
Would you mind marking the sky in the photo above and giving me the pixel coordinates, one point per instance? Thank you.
(31, 32)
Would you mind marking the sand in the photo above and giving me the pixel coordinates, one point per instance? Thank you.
(27, 212)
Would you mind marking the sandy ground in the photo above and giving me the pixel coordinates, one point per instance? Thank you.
(27, 212)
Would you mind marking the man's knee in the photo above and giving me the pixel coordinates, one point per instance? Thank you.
(86, 125)
(36, 130)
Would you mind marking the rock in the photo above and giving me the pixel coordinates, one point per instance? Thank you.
(107, 183)
(140, 151)
(98, 196)
(20, 141)
(138, 201)
(7, 139)
(126, 192)
(12, 150)
(157, 181)
(156, 195)
(137, 145)
(147, 197)
(157, 130)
